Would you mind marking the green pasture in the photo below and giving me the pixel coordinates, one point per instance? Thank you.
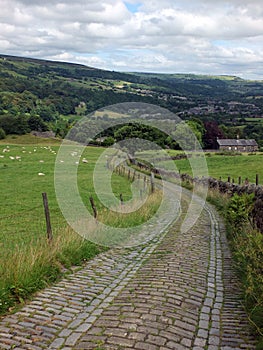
(26, 172)
(258, 120)
(27, 261)
(245, 166)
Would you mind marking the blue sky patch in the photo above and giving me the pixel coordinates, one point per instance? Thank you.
(133, 8)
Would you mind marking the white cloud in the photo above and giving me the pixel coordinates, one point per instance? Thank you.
(205, 36)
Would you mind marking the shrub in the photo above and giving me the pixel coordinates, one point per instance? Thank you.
(228, 153)
(2, 134)
(239, 211)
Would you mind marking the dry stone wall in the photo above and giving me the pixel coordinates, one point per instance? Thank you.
(222, 186)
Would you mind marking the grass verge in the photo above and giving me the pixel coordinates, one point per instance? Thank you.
(31, 267)
(247, 248)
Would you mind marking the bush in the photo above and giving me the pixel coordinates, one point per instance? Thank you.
(239, 210)
(228, 153)
(2, 134)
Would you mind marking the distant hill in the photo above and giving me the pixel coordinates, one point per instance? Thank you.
(60, 93)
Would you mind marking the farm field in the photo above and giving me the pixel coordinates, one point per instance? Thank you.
(244, 165)
(27, 261)
(26, 172)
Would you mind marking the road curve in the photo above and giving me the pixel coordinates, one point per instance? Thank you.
(177, 291)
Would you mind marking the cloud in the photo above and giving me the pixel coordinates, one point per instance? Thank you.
(204, 36)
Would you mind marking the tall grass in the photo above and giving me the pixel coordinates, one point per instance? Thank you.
(30, 267)
(33, 265)
(129, 216)
(247, 248)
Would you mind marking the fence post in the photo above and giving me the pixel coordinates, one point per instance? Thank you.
(256, 179)
(228, 179)
(152, 182)
(121, 199)
(95, 213)
(129, 174)
(239, 180)
(47, 215)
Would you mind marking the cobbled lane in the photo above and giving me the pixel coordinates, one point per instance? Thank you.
(178, 291)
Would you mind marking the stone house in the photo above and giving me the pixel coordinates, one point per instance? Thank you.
(238, 145)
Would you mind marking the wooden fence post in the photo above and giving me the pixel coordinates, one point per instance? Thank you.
(95, 213)
(121, 199)
(152, 182)
(47, 215)
(144, 182)
(239, 180)
(257, 180)
(228, 179)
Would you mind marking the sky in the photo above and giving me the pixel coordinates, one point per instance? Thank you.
(213, 37)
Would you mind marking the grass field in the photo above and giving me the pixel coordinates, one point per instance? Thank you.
(244, 165)
(27, 261)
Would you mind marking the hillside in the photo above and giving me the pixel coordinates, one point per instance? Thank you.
(59, 93)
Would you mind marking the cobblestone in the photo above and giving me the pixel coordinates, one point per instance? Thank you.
(178, 291)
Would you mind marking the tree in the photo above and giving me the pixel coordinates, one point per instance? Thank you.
(185, 137)
(2, 134)
(198, 129)
(14, 125)
(212, 133)
(109, 141)
(36, 123)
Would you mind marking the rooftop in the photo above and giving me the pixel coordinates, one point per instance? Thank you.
(236, 142)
